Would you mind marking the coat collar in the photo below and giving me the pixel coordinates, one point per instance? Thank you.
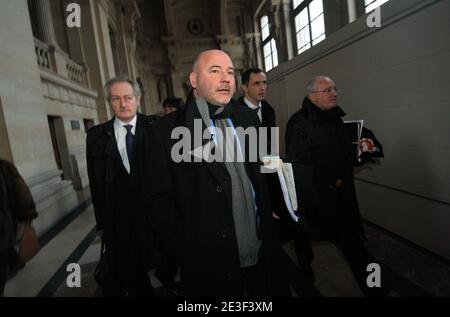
(317, 115)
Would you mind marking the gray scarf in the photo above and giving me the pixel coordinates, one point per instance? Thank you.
(243, 199)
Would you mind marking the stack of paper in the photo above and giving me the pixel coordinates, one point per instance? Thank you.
(287, 182)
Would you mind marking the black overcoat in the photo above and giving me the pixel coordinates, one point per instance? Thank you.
(191, 210)
(118, 198)
(321, 151)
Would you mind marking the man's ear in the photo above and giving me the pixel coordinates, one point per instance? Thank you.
(244, 89)
(193, 79)
(138, 99)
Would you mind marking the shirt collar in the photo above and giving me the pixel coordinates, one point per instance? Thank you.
(249, 103)
(119, 124)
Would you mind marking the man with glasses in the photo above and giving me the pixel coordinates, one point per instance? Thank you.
(116, 153)
(321, 151)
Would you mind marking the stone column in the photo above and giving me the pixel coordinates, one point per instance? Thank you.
(259, 50)
(287, 7)
(45, 22)
(352, 12)
(251, 60)
(223, 17)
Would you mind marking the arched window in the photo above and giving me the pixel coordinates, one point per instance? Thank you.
(309, 23)
(269, 45)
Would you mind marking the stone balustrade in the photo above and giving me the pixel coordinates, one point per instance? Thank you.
(75, 72)
(56, 61)
(44, 55)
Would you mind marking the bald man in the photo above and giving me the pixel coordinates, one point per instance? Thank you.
(213, 215)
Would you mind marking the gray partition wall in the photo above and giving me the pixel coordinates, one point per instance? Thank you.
(396, 78)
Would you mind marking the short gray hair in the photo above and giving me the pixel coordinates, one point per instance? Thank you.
(121, 79)
(312, 83)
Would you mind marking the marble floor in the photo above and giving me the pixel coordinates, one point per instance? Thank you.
(409, 270)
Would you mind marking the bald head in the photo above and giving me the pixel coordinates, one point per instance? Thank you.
(212, 77)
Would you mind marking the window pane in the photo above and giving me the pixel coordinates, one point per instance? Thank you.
(265, 32)
(274, 45)
(304, 48)
(371, 4)
(319, 39)
(268, 62)
(299, 44)
(275, 59)
(318, 27)
(296, 3)
(264, 21)
(315, 9)
(304, 36)
(267, 50)
(303, 18)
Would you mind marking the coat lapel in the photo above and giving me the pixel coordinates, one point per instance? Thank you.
(138, 142)
(114, 160)
(216, 168)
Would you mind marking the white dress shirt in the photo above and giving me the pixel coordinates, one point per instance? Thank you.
(252, 106)
(121, 132)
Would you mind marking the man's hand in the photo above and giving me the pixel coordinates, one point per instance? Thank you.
(339, 183)
(366, 145)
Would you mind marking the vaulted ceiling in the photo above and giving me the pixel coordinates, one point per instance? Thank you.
(194, 19)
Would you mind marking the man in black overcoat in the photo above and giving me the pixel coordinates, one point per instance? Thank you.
(254, 85)
(322, 154)
(117, 151)
(213, 215)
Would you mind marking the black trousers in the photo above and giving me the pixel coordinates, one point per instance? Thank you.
(302, 246)
(123, 280)
(141, 286)
(255, 281)
(3, 270)
(354, 251)
(167, 269)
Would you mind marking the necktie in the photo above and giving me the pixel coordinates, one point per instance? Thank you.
(257, 112)
(129, 141)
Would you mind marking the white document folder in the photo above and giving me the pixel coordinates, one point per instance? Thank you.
(287, 182)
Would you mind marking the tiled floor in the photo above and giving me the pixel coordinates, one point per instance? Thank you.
(412, 271)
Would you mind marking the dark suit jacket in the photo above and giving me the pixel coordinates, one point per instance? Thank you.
(267, 113)
(118, 197)
(276, 194)
(191, 212)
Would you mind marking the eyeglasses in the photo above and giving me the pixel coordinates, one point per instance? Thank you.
(329, 90)
(116, 99)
